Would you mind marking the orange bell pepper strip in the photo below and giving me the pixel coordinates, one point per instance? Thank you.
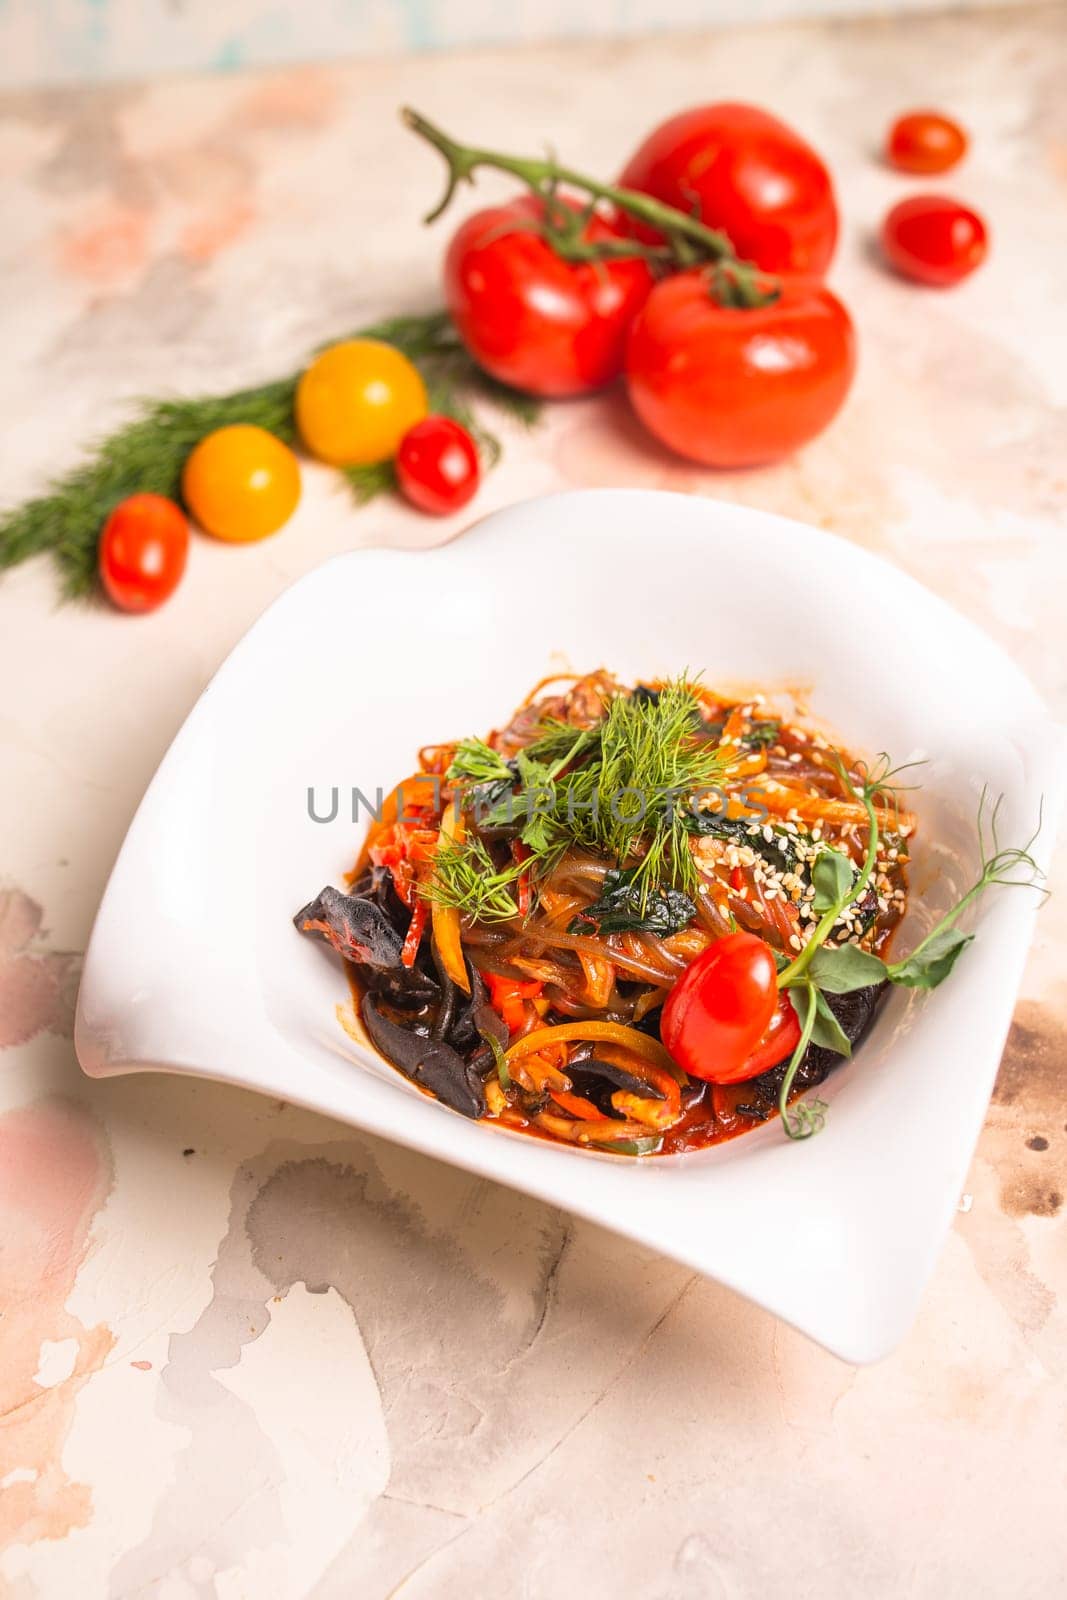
(445, 919)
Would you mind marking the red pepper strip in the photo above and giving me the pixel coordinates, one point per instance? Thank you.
(389, 853)
(416, 929)
(522, 852)
(737, 879)
(507, 996)
(577, 1105)
(392, 853)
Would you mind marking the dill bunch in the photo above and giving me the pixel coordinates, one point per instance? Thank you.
(622, 788)
(147, 454)
(631, 798)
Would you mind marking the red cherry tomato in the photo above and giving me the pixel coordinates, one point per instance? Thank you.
(925, 142)
(720, 1008)
(779, 1040)
(934, 240)
(743, 171)
(531, 319)
(437, 466)
(142, 552)
(735, 388)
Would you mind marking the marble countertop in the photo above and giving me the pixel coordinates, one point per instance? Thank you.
(247, 1352)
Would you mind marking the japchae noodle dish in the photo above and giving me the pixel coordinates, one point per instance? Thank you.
(638, 920)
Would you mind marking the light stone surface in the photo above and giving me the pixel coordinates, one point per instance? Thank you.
(247, 1352)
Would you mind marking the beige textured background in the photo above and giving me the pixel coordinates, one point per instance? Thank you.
(245, 1352)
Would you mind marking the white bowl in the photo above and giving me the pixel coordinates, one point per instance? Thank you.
(194, 965)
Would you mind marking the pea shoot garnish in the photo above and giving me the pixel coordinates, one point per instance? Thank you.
(818, 971)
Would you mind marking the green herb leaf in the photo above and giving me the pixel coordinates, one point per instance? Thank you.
(761, 734)
(499, 1059)
(476, 762)
(779, 851)
(846, 968)
(466, 876)
(831, 877)
(932, 963)
(626, 792)
(798, 1122)
(827, 1031)
(623, 906)
(630, 1147)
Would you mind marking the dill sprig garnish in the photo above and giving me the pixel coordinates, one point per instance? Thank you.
(466, 876)
(629, 799)
(147, 453)
(622, 788)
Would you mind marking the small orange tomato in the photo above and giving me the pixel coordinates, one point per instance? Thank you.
(925, 142)
(357, 400)
(241, 483)
(142, 552)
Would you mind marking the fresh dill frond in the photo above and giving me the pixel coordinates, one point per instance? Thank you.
(622, 788)
(147, 454)
(474, 761)
(632, 798)
(556, 739)
(466, 876)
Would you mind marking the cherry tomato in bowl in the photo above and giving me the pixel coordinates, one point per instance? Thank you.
(142, 552)
(356, 401)
(437, 466)
(533, 320)
(738, 387)
(745, 172)
(241, 483)
(934, 240)
(718, 1011)
(778, 1040)
(925, 142)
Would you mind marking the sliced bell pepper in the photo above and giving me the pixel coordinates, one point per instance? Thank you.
(445, 919)
(507, 996)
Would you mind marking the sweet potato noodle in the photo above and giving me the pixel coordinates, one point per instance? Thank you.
(525, 904)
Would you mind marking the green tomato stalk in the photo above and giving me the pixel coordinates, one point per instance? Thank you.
(686, 240)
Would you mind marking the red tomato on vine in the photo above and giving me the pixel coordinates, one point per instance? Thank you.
(533, 320)
(742, 171)
(738, 386)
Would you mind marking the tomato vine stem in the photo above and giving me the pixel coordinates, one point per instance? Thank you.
(687, 241)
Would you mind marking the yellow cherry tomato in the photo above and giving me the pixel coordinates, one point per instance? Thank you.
(357, 400)
(241, 483)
